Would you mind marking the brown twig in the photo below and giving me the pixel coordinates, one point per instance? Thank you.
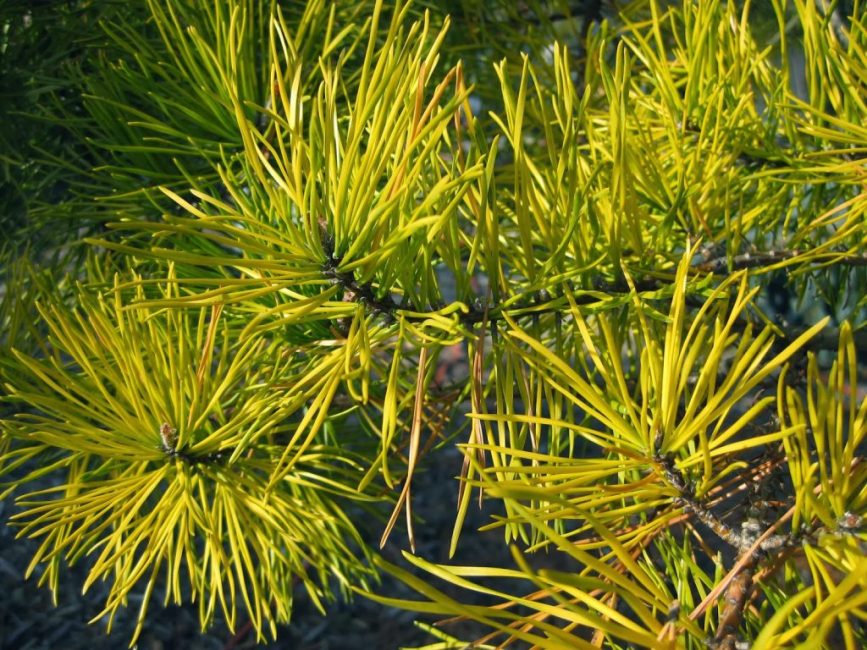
(238, 636)
(743, 561)
(769, 258)
(686, 499)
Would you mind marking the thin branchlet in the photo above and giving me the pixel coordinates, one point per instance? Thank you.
(551, 302)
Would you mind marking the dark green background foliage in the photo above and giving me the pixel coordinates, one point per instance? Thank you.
(245, 243)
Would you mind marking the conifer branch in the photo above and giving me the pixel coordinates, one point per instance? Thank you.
(687, 500)
(617, 130)
(762, 259)
(545, 302)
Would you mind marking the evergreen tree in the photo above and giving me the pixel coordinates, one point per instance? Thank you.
(244, 236)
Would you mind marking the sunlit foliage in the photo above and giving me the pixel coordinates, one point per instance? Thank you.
(243, 234)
